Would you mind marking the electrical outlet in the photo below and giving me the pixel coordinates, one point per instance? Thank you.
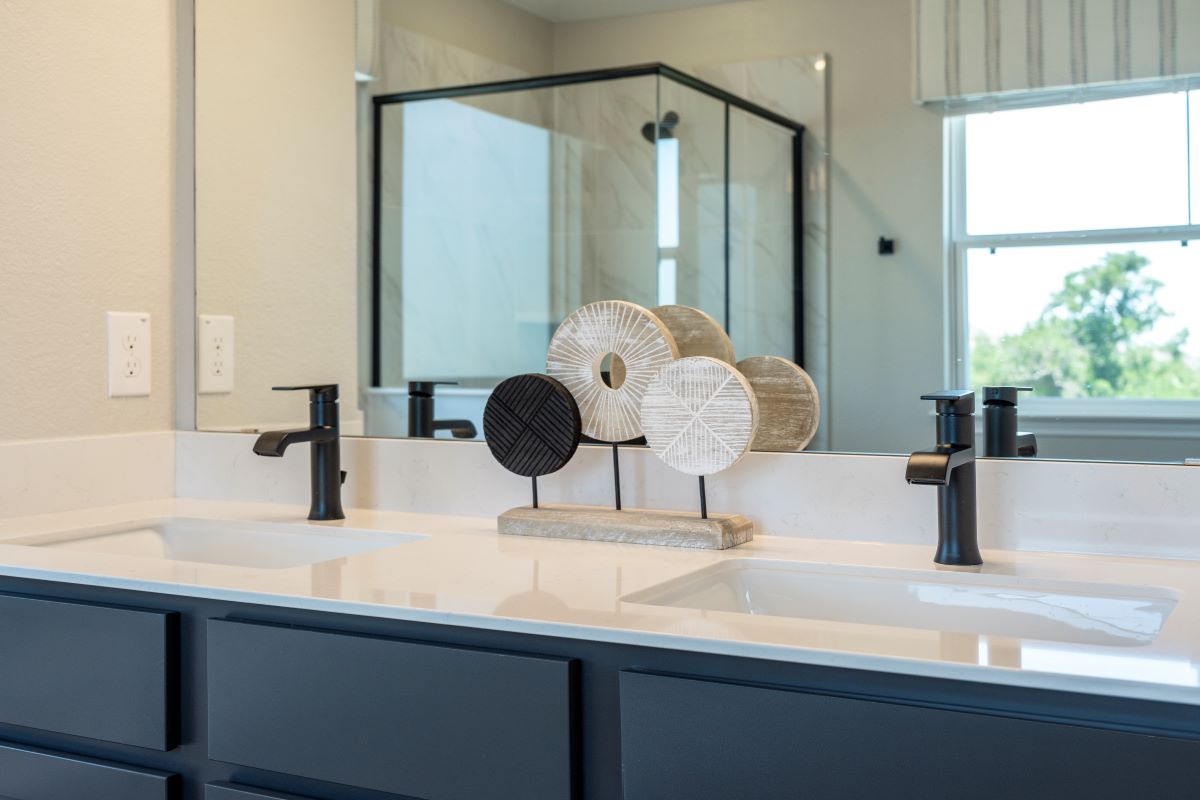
(214, 365)
(128, 354)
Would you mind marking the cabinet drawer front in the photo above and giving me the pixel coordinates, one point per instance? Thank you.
(27, 773)
(701, 739)
(439, 723)
(89, 670)
(232, 791)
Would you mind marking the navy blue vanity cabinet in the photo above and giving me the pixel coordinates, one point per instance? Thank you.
(230, 791)
(284, 703)
(403, 717)
(102, 672)
(701, 739)
(28, 773)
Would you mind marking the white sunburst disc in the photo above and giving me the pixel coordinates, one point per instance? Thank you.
(638, 344)
(699, 415)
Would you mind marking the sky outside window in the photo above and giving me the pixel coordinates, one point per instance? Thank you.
(1085, 166)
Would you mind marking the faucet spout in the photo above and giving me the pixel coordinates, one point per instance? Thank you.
(273, 443)
(459, 428)
(934, 467)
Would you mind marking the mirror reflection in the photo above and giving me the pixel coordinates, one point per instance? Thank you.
(406, 197)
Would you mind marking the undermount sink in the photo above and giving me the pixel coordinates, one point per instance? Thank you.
(973, 603)
(265, 545)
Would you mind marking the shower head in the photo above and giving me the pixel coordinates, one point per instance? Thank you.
(666, 128)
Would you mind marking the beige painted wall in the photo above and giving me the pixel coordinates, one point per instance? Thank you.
(887, 329)
(490, 29)
(276, 201)
(86, 170)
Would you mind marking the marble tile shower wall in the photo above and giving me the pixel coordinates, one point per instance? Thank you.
(762, 265)
(700, 255)
(604, 212)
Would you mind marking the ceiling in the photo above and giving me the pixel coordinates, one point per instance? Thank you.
(582, 10)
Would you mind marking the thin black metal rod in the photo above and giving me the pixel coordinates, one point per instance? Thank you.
(703, 500)
(616, 477)
(376, 246)
(535, 502)
(798, 246)
(728, 223)
(591, 76)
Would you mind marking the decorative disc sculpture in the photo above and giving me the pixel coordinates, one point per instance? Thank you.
(700, 416)
(789, 408)
(629, 337)
(532, 426)
(634, 345)
(696, 333)
(622, 366)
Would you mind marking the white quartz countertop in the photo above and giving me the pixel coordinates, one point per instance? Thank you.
(464, 573)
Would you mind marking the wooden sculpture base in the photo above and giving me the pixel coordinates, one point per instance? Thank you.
(632, 526)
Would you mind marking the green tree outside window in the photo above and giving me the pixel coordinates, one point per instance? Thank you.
(1090, 341)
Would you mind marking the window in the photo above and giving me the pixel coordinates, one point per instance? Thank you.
(1070, 228)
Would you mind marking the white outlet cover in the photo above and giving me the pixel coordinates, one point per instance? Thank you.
(214, 362)
(128, 354)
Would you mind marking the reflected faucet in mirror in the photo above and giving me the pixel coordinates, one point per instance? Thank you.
(950, 466)
(421, 422)
(1000, 436)
(324, 434)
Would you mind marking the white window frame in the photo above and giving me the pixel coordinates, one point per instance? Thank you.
(1113, 417)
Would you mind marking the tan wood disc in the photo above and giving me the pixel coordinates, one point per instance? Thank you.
(696, 333)
(789, 407)
(635, 344)
(699, 415)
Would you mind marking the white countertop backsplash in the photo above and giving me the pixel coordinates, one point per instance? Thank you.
(1148, 510)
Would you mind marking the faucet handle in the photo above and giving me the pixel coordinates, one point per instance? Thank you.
(318, 392)
(953, 401)
(1003, 395)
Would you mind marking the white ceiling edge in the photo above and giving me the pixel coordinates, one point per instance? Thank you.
(584, 10)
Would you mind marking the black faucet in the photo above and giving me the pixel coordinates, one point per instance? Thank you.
(325, 454)
(1000, 436)
(950, 466)
(420, 413)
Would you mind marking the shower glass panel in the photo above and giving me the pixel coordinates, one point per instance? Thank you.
(764, 231)
(500, 208)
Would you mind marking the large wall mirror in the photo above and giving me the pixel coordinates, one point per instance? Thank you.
(407, 197)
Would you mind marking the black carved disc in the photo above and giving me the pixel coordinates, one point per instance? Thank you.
(532, 425)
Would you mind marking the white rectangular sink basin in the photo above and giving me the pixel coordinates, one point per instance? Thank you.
(265, 545)
(953, 602)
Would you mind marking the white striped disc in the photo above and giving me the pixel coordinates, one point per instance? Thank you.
(700, 415)
(578, 348)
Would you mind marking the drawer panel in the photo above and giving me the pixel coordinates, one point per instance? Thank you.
(702, 739)
(232, 791)
(97, 671)
(428, 721)
(28, 773)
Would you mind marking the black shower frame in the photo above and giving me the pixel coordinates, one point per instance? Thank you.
(571, 79)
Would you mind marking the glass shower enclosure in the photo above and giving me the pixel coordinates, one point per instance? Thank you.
(499, 208)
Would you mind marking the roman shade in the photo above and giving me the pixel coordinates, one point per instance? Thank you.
(1012, 52)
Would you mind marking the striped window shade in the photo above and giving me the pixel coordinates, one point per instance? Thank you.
(1011, 52)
